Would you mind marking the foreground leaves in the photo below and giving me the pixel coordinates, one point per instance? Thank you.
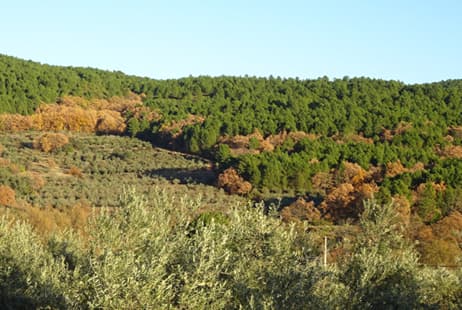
(159, 254)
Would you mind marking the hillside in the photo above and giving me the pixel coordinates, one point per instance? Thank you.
(227, 192)
(317, 148)
(92, 171)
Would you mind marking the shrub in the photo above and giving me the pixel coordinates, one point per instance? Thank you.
(74, 171)
(7, 196)
(439, 252)
(233, 183)
(49, 142)
(36, 180)
(301, 210)
(30, 277)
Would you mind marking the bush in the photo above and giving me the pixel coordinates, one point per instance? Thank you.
(49, 142)
(233, 183)
(30, 277)
(74, 171)
(7, 196)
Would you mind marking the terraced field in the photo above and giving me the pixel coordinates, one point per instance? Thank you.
(93, 171)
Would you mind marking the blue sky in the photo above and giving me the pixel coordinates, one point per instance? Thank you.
(408, 40)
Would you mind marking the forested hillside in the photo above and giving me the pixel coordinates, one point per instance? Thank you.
(343, 193)
(328, 143)
(25, 84)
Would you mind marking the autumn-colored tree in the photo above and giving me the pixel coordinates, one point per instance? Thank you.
(15, 122)
(301, 210)
(337, 203)
(346, 200)
(439, 243)
(233, 183)
(440, 252)
(450, 228)
(110, 122)
(395, 168)
(322, 182)
(387, 135)
(353, 173)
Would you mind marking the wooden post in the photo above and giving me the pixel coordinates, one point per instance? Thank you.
(325, 251)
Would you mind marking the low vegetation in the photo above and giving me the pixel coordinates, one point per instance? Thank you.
(51, 185)
(157, 254)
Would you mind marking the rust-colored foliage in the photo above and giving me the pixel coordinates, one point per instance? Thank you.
(109, 122)
(301, 210)
(440, 252)
(353, 173)
(395, 168)
(15, 122)
(37, 181)
(402, 127)
(7, 196)
(450, 227)
(375, 174)
(339, 202)
(116, 103)
(49, 142)
(419, 166)
(359, 139)
(440, 242)
(455, 131)
(425, 233)
(75, 114)
(241, 144)
(345, 200)
(233, 183)
(48, 219)
(387, 134)
(438, 187)
(280, 138)
(74, 171)
(174, 129)
(322, 182)
(4, 162)
(366, 190)
(451, 151)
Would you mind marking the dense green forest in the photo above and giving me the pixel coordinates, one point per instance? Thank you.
(373, 123)
(25, 84)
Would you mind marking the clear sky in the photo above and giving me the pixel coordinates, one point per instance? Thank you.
(407, 40)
